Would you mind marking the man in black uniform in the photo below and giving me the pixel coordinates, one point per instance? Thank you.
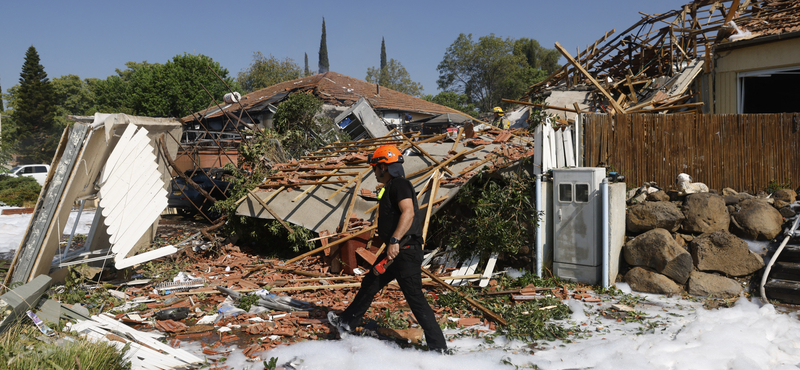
(400, 224)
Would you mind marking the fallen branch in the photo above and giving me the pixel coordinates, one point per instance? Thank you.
(497, 318)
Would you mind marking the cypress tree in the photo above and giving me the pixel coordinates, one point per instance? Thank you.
(324, 65)
(383, 53)
(383, 76)
(307, 71)
(33, 133)
(1, 99)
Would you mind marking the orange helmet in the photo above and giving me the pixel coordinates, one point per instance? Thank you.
(387, 154)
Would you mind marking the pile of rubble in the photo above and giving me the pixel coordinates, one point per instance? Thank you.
(650, 66)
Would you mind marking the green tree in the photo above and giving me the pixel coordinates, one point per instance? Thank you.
(173, 89)
(265, 72)
(72, 97)
(324, 65)
(537, 56)
(395, 77)
(453, 100)
(32, 131)
(299, 127)
(383, 76)
(485, 71)
(307, 72)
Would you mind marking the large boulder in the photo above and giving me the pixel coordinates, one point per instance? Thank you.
(786, 195)
(724, 252)
(659, 196)
(657, 250)
(712, 285)
(650, 215)
(705, 212)
(643, 280)
(756, 219)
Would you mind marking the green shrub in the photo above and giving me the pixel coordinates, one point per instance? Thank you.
(19, 191)
(490, 215)
(21, 350)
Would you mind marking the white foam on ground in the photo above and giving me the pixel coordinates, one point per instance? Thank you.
(676, 334)
(13, 227)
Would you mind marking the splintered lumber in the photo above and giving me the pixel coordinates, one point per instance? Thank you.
(545, 106)
(324, 247)
(363, 173)
(497, 318)
(297, 272)
(315, 287)
(352, 203)
(263, 186)
(285, 175)
(431, 197)
(458, 138)
(353, 285)
(312, 187)
(275, 215)
(488, 158)
(589, 76)
(426, 154)
(670, 107)
(461, 154)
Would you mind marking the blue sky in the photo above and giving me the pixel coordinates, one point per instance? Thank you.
(93, 38)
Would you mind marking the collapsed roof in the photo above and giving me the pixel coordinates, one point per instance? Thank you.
(651, 65)
(334, 89)
(334, 187)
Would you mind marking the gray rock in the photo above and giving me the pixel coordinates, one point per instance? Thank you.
(778, 204)
(642, 280)
(787, 212)
(705, 212)
(650, 215)
(681, 241)
(659, 196)
(730, 200)
(786, 195)
(757, 220)
(729, 191)
(712, 285)
(742, 196)
(657, 250)
(724, 252)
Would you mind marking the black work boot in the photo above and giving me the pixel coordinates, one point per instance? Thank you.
(336, 321)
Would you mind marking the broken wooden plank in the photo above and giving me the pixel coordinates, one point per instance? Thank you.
(467, 267)
(352, 203)
(275, 215)
(671, 107)
(312, 187)
(458, 138)
(586, 73)
(431, 197)
(324, 247)
(487, 272)
(426, 154)
(497, 318)
(363, 173)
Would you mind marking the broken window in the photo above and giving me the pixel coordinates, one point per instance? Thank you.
(769, 91)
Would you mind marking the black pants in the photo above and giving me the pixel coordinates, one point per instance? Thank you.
(406, 269)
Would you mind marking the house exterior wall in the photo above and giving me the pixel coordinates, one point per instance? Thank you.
(728, 63)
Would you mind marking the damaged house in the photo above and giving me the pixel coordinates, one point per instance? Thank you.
(358, 108)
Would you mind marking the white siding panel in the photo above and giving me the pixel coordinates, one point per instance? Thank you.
(132, 192)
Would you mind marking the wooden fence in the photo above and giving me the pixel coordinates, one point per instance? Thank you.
(739, 151)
